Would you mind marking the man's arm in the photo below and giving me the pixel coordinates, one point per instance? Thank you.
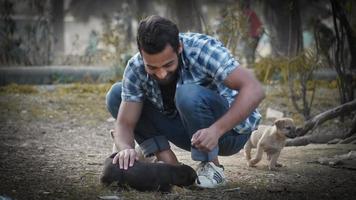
(129, 114)
(250, 95)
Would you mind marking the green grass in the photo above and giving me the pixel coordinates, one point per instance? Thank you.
(21, 89)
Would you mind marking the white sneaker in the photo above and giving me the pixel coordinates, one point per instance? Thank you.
(210, 175)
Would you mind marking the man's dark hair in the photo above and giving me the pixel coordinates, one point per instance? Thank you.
(155, 32)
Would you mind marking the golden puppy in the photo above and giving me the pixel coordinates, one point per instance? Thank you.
(269, 139)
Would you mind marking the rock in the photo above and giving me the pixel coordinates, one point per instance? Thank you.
(111, 119)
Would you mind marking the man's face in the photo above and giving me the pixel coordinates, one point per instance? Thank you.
(162, 66)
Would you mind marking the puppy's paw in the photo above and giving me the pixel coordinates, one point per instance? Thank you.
(252, 162)
(248, 163)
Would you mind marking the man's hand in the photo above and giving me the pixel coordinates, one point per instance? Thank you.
(205, 139)
(126, 158)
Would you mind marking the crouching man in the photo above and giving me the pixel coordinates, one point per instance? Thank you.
(188, 89)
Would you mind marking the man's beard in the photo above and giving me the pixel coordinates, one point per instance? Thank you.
(170, 78)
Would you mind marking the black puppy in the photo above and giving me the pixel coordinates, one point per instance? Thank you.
(148, 176)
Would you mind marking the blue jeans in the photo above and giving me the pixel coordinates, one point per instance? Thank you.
(197, 111)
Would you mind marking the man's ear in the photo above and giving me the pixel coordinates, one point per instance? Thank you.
(180, 48)
(279, 123)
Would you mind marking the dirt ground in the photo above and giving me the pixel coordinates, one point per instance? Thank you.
(55, 138)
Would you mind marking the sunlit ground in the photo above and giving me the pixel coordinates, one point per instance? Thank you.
(55, 138)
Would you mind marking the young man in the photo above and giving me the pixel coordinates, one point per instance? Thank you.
(187, 89)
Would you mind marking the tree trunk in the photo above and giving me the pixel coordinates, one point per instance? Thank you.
(350, 35)
(283, 23)
(344, 109)
(144, 8)
(58, 26)
(342, 28)
(186, 13)
(300, 141)
(353, 128)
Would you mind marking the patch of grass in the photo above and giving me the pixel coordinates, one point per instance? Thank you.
(84, 103)
(15, 88)
(78, 88)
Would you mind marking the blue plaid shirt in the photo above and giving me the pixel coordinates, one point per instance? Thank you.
(206, 62)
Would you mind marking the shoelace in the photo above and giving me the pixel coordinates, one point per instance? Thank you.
(205, 169)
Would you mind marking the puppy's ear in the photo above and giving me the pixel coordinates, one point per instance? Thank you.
(279, 123)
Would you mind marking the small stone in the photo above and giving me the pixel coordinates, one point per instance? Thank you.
(109, 197)
(232, 189)
(111, 119)
(25, 144)
(276, 189)
(40, 148)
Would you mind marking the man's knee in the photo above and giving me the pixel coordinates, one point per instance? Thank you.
(113, 99)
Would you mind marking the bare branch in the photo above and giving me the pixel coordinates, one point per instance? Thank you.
(343, 109)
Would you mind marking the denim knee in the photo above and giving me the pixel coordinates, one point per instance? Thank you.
(113, 99)
(198, 100)
(195, 96)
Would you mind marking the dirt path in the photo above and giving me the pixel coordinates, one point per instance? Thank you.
(54, 139)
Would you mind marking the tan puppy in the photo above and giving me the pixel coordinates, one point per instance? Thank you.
(269, 139)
